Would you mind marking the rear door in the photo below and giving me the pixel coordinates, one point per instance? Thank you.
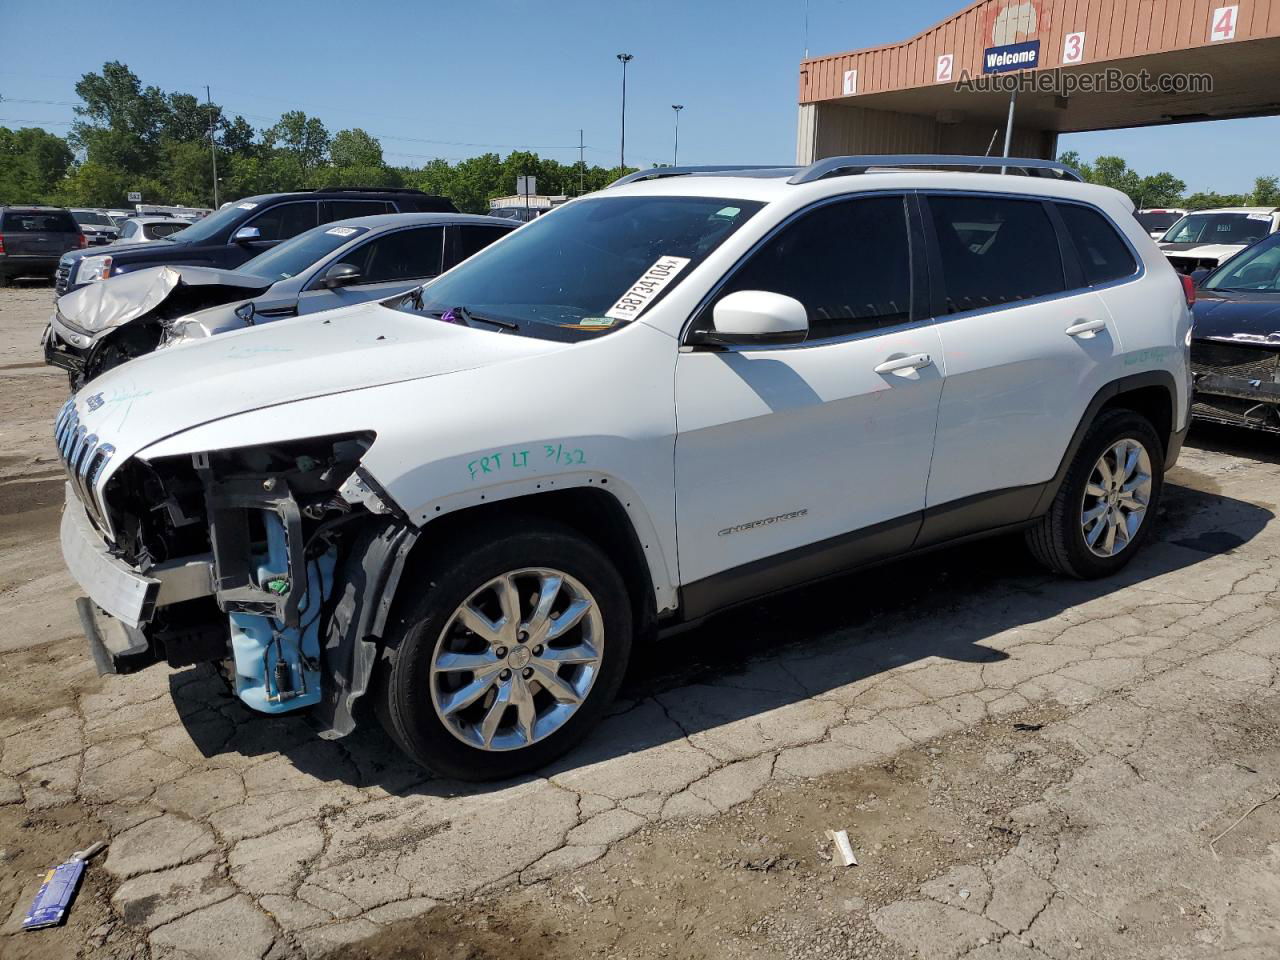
(1027, 345)
(389, 263)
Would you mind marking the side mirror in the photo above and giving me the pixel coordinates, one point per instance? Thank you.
(340, 275)
(246, 234)
(1198, 275)
(757, 318)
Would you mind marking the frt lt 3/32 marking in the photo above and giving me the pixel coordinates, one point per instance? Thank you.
(557, 453)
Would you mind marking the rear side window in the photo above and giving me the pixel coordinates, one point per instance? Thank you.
(994, 250)
(1103, 254)
(849, 263)
(285, 220)
(155, 231)
(52, 221)
(345, 209)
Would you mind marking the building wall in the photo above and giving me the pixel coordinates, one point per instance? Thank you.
(1114, 30)
(833, 129)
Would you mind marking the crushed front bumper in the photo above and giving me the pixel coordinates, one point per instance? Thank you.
(64, 347)
(116, 588)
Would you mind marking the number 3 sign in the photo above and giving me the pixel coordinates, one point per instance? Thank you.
(1073, 48)
(1223, 24)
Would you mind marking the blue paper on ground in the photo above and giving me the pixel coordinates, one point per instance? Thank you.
(55, 894)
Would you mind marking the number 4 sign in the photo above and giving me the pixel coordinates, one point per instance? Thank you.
(943, 72)
(1223, 24)
(1073, 48)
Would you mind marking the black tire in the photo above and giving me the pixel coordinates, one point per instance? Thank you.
(405, 698)
(1057, 540)
(4, 280)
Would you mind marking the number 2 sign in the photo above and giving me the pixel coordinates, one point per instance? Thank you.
(943, 72)
(1073, 48)
(1223, 24)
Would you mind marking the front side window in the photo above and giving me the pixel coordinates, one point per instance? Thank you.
(1257, 268)
(290, 258)
(403, 255)
(472, 239)
(849, 263)
(1103, 255)
(562, 276)
(284, 221)
(994, 250)
(1219, 228)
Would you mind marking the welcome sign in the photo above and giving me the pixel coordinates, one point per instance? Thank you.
(1011, 56)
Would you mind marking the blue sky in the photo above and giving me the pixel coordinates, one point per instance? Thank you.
(453, 79)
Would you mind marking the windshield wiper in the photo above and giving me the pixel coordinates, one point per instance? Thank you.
(471, 319)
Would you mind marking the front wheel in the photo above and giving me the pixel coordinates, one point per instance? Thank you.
(510, 656)
(1107, 502)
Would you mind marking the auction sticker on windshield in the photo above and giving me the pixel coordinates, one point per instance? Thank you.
(645, 290)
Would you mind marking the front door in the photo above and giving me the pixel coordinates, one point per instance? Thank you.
(795, 461)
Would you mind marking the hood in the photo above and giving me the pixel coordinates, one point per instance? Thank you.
(1205, 250)
(1246, 316)
(368, 345)
(117, 300)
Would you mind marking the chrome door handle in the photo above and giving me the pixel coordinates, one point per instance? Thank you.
(1086, 328)
(904, 365)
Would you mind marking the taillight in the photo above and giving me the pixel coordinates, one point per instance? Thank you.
(1, 243)
(82, 242)
(1188, 289)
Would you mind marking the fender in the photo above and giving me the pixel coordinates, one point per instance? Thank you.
(1149, 378)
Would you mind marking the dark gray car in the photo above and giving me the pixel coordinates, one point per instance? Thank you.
(339, 264)
(33, 238)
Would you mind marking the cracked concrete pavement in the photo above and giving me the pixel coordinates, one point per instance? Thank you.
(1028, 767)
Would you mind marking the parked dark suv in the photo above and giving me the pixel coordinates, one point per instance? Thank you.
(243, 230)
(33, 238)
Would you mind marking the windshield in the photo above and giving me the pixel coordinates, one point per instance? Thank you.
(93, 218)
(205, 229)
(1219, 228)
(1257, 268)
(1151, 222)
(587, 267)
(290, 258)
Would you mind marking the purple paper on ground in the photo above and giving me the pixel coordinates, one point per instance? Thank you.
(55, 895)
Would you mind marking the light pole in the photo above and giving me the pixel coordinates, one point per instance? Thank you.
(675, 150)
(625, 58)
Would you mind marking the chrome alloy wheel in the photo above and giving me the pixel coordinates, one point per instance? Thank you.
(517, 658)
(1116, 497)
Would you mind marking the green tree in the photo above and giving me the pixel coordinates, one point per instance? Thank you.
(1266, 192)
(1206, 201)
(355, 148)
(304, 138)
(1161, 190)
(32, 163)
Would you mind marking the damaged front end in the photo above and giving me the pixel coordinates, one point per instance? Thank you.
(276, 563)
(105, 324)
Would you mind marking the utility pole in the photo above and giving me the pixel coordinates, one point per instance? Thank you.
(213, 146)
(1008, 126)
(675, 150)
(582, 167)
(625, 58)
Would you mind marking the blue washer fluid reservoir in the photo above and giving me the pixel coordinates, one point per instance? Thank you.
(278, 668)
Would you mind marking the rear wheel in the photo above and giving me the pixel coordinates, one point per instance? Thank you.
(511, 655)
(1104, 508)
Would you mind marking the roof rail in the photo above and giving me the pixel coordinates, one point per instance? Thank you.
(845, 166)
(658, 173)
(367, 190)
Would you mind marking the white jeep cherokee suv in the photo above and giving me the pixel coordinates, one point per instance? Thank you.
(464, 505)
